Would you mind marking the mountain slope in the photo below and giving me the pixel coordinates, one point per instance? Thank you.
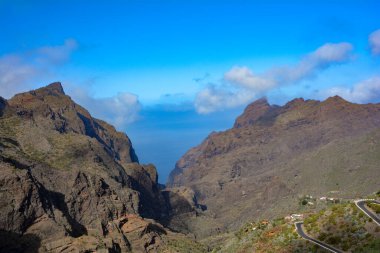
(70, 182)
(341, 225)
(274, 154)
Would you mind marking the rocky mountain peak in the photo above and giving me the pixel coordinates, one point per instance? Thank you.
(253, 112)
(260, 102)
(295, 103)
(68, 178)
(55, 87)
(335, 100)
(51, 95)
(275, 152)
(50, 109)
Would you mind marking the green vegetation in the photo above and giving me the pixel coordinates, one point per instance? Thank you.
(342, 225)
(184, 246)
(307, 201)
(8, 126)
(266, 236)
(345, 227)
(375, 207)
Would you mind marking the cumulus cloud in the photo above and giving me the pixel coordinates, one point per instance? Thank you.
(362, 92)
(245, 85)
(56, 54)
(214, 98)
(322, 58)
(374, 42)
(244, 77)
(18, 71)
(331, 53)
(13, 74)
(119, 110)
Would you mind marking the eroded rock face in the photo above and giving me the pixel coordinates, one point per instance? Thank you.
(275, 153)
(3, 104)
(256, 111)
(49, 108)
(72, 183)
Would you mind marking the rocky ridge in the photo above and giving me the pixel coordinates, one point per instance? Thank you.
(72, 183)
(275, 154)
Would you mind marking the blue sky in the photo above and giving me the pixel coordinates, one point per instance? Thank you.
(170, 72)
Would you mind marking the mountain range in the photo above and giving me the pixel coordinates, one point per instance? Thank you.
(275, 155)
(72, 183)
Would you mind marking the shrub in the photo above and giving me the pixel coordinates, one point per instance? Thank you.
(322, 236)
(374, 207)
(334, 240)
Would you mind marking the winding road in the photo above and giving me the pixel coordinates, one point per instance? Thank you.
(361, 204)
(319, 243)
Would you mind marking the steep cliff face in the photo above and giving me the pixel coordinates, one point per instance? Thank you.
(274, 154)
(49, 108)
(70, 182)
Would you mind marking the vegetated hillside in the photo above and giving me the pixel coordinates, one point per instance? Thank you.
(342, 225)
(345, 227)
(72, 183)
(274, 154)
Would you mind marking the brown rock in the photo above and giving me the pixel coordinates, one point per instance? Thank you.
(275, 153)
(67, 179)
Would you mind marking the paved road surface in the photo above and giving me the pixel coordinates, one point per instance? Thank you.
(319, 243)
(360, 204)
(369, 213)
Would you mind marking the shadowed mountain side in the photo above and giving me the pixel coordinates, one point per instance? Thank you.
(17, 243)
(72, 182)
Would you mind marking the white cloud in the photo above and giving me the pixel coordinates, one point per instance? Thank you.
(244, 77)
(331, 53)
(19, 71)
(374, 42)
(214, 98)
(13, 75)
(241, 85)
(119, 110)
(324, 57)
(362, 92)
(56, 54)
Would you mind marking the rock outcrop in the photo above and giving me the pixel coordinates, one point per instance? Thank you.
(72, 183)
(274, 154)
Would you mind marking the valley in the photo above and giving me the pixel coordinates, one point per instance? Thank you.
(72, 183)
